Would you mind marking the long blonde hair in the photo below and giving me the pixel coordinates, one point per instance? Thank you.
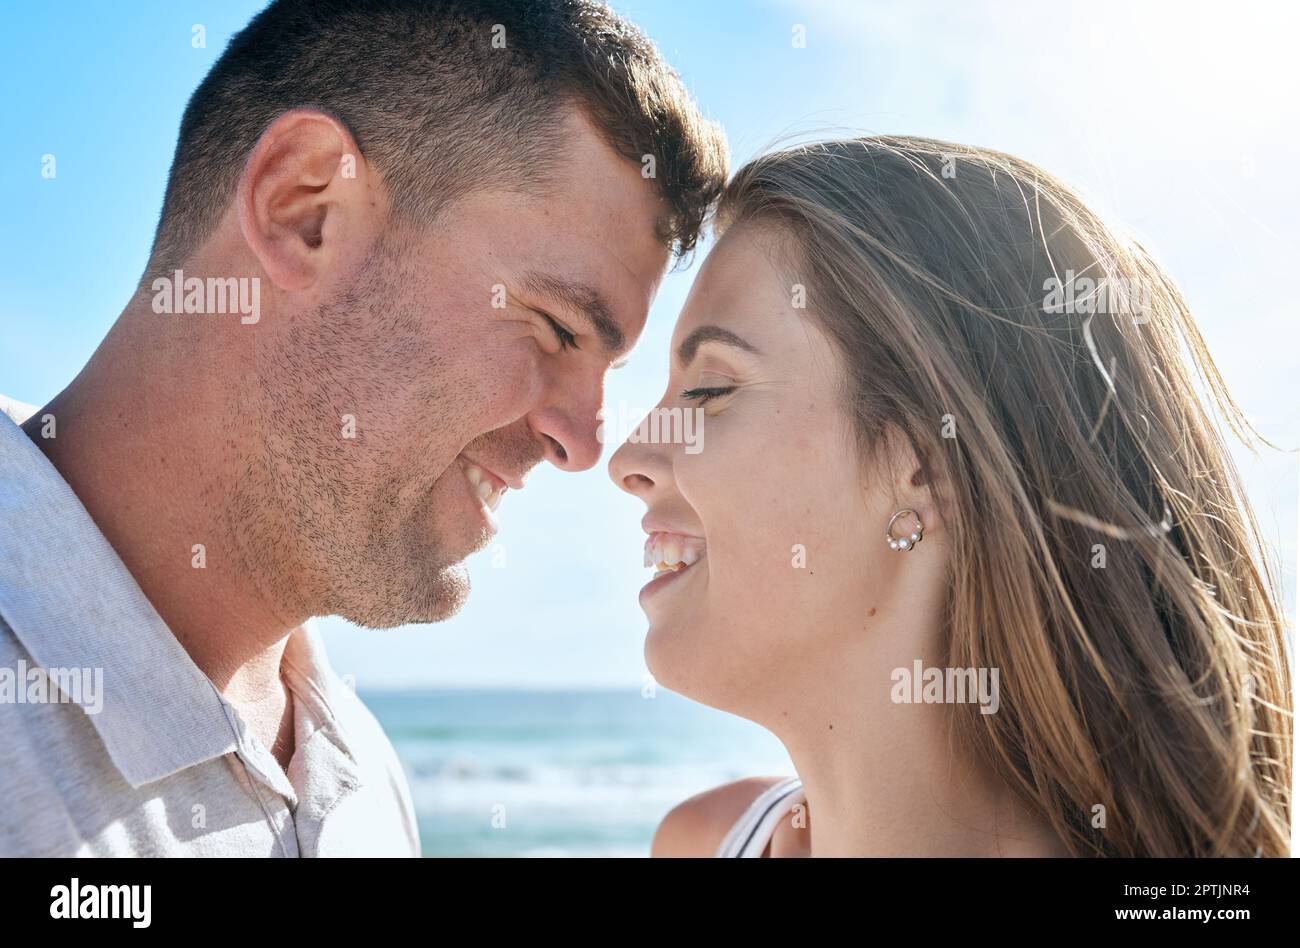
(1104, 556)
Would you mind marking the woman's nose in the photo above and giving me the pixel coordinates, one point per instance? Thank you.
(629, 468)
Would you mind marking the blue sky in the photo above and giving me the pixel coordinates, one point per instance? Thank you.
(1178, 119)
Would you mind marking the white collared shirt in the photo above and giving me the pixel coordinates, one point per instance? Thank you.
(153, 761)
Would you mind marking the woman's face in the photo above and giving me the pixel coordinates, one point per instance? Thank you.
(778, 529)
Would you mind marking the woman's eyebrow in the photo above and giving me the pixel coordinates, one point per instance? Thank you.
(686, 351)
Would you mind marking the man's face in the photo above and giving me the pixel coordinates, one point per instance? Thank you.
(398, 413)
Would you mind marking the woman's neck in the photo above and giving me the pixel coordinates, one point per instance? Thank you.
(888, 779)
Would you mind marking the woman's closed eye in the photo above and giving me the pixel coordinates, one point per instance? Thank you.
(704, 395)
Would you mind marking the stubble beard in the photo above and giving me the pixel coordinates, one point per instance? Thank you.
(318, 531)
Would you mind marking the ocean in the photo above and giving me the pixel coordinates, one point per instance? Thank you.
(561, 773)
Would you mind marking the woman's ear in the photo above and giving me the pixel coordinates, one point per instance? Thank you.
(930, 478)
(304, 198)
(919, 481)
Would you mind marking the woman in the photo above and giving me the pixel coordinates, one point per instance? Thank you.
(959, 531)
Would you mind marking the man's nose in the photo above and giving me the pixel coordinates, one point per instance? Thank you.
(567, 427)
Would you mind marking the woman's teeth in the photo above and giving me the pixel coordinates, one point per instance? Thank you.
(672, 551)
(485, 485)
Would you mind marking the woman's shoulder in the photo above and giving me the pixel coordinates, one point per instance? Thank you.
(696, 827)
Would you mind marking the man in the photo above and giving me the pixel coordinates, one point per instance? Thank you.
(401, 243)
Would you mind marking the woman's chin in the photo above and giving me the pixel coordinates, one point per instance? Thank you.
(670, 655)
(670, 602)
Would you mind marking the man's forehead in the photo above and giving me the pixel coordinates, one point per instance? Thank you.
(591, 179)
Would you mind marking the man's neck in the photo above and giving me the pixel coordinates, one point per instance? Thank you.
(148, 438)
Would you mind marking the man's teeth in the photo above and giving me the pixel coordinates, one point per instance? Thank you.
(490, 495)
(672, 551)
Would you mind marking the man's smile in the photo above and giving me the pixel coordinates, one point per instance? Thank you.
(489, 487)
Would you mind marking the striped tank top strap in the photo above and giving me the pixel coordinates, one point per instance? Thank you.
(750, 834)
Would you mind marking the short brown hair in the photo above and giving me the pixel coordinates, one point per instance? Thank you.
(445, 97)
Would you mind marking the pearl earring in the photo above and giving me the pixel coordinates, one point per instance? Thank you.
(909, 541)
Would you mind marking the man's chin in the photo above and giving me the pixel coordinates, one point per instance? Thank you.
(422, 599)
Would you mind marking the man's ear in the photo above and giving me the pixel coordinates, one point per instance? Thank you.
(303, 198)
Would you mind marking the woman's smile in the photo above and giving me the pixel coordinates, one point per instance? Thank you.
(671, 555)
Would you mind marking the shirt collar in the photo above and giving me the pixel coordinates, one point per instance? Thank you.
(72, 603)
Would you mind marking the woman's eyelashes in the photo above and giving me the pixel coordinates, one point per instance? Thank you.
(705, 395)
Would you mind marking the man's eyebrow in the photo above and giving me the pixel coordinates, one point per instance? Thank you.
(583, 298)
(686, 351)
